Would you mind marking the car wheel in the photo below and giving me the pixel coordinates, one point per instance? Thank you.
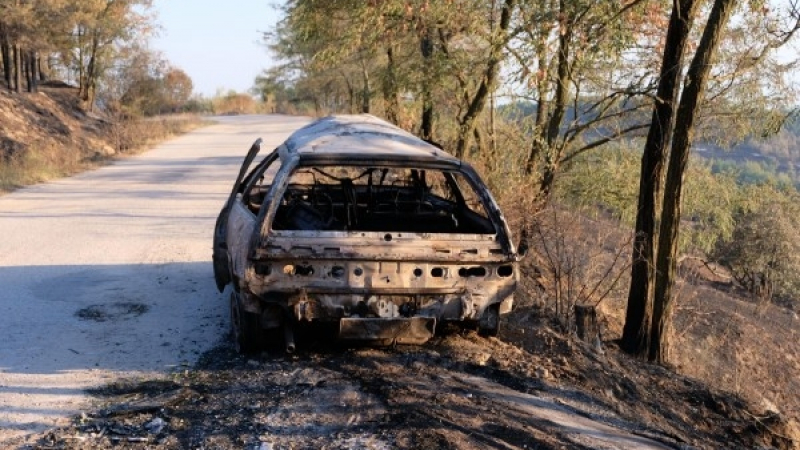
(489, 325)
(245, 327)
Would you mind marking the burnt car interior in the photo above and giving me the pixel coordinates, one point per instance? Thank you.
(352, 198)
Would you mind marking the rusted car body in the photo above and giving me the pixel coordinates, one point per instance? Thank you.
(356, 222)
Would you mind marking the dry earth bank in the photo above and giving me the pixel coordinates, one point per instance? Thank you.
(48, 134)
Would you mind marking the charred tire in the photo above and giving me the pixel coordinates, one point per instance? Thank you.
(489, 325)
(245, 327)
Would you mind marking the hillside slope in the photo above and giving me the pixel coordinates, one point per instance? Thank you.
(47, 134)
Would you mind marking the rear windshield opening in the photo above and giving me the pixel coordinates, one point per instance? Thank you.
(344, 198)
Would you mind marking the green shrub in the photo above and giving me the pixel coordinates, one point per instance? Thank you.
(609, 181)
(763, 252)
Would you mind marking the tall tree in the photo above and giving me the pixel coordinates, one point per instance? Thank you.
(636, 332)
(691, 98)
(584, 95)
(15, 20)
(177, 89)
(491, 70)
(5, 52)
(102, 26)
(655, 341)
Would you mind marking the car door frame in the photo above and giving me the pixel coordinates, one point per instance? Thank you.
(220, 256)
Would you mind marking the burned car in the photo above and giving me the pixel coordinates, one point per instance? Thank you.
(356, 223)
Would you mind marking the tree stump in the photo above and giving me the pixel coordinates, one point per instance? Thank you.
(586, 323)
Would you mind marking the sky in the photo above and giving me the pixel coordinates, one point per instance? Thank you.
(216, 42)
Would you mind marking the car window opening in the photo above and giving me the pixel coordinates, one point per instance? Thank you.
(345, 198)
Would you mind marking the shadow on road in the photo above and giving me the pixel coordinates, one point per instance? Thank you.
(69, 328)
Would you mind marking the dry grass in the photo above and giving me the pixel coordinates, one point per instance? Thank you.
(134, 135)
(721, 336)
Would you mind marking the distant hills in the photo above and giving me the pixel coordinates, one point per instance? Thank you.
(774, 159)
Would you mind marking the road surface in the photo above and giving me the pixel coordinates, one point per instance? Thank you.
(107, 274)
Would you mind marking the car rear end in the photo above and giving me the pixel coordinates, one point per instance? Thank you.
(386, 249)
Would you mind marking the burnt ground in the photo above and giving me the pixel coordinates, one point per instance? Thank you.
(531, 388)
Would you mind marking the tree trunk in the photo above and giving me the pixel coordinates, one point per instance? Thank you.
(80, 33)
(481, 143)
(666, 256)
(541, 110)
(5, 49)
(17, 68)
(548, 177)
(26, 70)
(586, 323)
(426, 48)
(30, 71)
(552, 131)
(42, 68)
(87, 95)
(636, 332)
(366, 92)
(35, 71)
(467, 122)
(390, 95)
(5, 53)
(351, 94)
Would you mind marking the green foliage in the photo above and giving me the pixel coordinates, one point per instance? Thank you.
(709, 202)
(763, 252)
(144, 83)
(608, 181)
(749, 223)
(278, 95)
(756, 172)
(198, 104)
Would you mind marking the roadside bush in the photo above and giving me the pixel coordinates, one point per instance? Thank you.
(198, 104)
(37, 161)
(763, 252)
(234, 103)
(128, 134)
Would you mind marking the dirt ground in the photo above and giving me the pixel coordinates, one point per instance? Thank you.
(531, 388)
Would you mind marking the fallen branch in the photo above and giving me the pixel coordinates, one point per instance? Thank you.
(148, 405)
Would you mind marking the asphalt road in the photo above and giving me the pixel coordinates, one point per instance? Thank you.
(107, 275)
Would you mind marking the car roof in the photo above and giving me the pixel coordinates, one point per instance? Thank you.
(361, 137)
